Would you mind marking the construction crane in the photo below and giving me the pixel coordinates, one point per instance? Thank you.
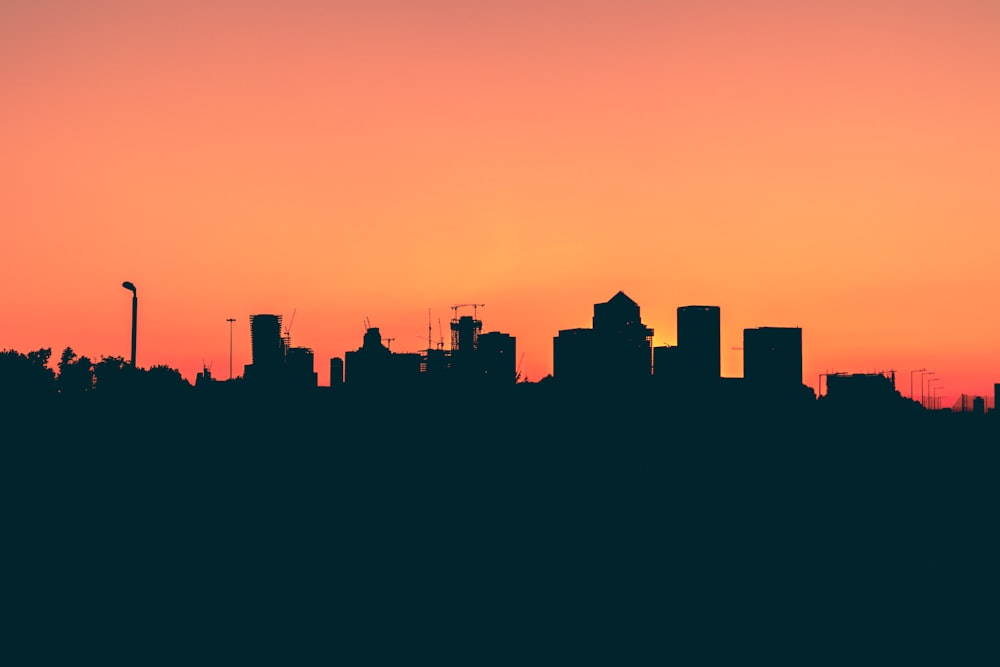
(463, 305)
(428, 329)
(288, 329)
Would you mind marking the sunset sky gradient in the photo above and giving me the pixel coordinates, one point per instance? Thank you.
(831, 166)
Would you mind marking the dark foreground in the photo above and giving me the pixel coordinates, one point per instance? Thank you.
(615, 531)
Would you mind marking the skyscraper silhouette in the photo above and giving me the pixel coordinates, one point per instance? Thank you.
(618, 350)
(267, 350)
(772, 357)
(699, 340)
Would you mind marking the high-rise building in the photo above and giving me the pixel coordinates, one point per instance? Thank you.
(619, 348)
(299, 368)
(463, 358)
(369, 365)
(573, 353)
(497, 357)
(465, 332)
(267, 350)
(772, 357)
(699, 340)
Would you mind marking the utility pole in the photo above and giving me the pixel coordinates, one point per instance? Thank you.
(919, 370)
(231, 320)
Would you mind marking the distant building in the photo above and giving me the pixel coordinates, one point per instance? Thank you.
(336, 372)
(476, 359)
(369, 365)
(463, 360)
(667, 366)
(573, 353)
(434, 365)
(497, 357)
(267, 351)
(275, 364)
(867, 390)
(375, 366)
(465, 332)
(967, 403)
(617, 350)
(699, 340)
(299, 368)
(772, 357)
(204, 378)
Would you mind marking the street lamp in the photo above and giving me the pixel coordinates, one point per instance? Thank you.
(911, 380)
(922, 374)
(937, 404)
(929, 392)
(135, 308)
(230, 320)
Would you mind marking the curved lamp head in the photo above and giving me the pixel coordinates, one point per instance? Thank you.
(129, 286)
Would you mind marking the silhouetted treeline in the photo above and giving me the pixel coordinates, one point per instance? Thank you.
(112, 392)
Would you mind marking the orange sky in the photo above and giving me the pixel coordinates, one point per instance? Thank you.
(829, 167)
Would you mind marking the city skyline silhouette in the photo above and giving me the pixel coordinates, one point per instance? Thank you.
(616, 353)
(487, 218)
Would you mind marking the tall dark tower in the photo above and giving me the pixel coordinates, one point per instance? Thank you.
(699, 341)
(267, 349)
(465, 331)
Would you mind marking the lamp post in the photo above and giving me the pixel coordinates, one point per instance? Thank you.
(937, 405)
(922, 374)
(911, 380)
(930, 393)
(231, 320)
(135, 308)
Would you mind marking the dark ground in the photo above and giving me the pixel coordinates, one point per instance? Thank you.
(615, 531)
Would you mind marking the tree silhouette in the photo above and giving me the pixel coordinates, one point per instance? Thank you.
(164, 380)
(114, 375)
(26, 376)
(76, 374)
